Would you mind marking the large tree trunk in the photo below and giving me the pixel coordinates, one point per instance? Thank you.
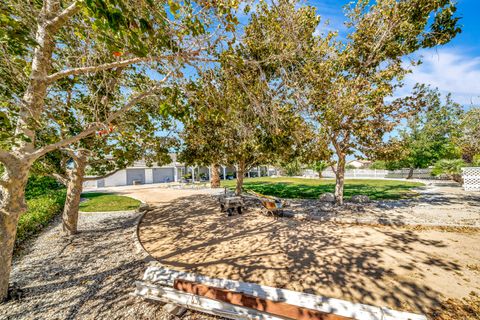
(240, 176)
(320, 176)
(12, 206)
(340, 179)
(14, 180)
(74, 191)
(215, 178)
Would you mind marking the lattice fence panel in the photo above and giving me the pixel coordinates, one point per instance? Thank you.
(471, 178)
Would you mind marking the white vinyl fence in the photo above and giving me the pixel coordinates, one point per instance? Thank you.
(471, 178)
(379, 174)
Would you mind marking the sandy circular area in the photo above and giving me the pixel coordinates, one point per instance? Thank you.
(396, 267)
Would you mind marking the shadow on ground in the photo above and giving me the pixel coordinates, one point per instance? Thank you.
(88, 276)
(398, 268)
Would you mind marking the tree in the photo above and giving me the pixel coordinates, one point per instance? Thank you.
(346, 81)
(431, 134)
(469, 140)
(132, 138)
(221, 126)
(63, 42)
(450, 167)
(320, 166)
(241, 113)
(379, 164)
(292, 168)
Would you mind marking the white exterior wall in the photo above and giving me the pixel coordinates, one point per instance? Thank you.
(90, 184)
(117, 179)
(148, 175)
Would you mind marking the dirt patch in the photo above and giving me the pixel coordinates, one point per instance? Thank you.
(396, 267)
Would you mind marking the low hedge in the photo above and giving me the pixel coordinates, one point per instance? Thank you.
(45, 199)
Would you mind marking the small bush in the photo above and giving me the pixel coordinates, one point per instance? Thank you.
(476, 160)
(41, 210)
(45, 199)
(40, 185)
(448, 166)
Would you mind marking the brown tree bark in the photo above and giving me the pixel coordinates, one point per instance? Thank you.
(240, 176)
(12, 206)
(340, 179)
(215, 178)
(74, 191)
(320, 176)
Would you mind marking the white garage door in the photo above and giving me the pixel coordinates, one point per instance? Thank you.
(135, 175)
(163, 175)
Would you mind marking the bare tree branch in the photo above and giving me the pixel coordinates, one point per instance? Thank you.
(96, 126)
(123, 63)
(63, 180)
(58, 21)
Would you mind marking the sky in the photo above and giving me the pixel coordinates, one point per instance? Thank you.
(452, 68)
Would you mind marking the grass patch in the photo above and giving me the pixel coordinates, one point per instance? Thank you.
(96, 202)
(292, 188)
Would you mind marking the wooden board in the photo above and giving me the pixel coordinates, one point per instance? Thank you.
(198, 303)
(240, 299)
(358, 311)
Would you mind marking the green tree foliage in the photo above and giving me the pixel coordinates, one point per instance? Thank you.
(292, 168)
(347, 81)
(379, 165)
(241, 113)
(432, 133)
(476, 160)
(49, 46)
(320, 166)
(469, 141)
(448, 166)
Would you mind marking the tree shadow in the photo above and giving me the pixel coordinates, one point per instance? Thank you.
(87, 276)
(381, 266)
(374, 189)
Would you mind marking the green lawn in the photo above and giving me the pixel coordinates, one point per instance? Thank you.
(285, 187)
(107, 202)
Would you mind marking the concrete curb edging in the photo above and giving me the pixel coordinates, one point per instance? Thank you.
(139, 248)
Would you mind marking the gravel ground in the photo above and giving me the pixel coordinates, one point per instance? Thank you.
(439, 204)
(89, 276)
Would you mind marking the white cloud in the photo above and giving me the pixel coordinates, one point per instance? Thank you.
(450, 71)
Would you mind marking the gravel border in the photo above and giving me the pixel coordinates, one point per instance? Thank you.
(86, 276)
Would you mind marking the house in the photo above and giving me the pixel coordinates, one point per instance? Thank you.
(359, 164)
(175, 171)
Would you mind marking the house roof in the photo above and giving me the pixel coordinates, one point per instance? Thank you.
(361, 161)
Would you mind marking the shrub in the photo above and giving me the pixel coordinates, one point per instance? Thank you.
(45, 199)
(380, 165)
(39, 185)
(476, 160)
(293, 168)
(448, 166)
(41, 210)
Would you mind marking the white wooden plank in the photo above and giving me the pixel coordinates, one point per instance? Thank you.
(165, 276)
(198, 303)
